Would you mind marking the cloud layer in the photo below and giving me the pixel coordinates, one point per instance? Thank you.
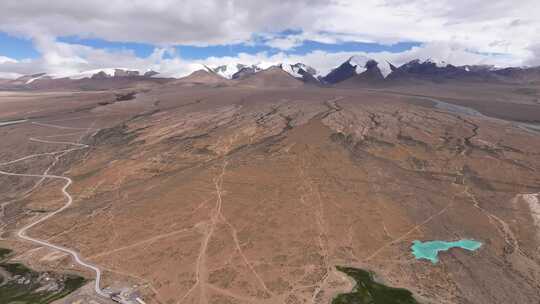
(500, 32)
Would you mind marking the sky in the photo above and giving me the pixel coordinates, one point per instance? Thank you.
(64, 37)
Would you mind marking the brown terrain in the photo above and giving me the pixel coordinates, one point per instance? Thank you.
(253, 191)
(201, 77)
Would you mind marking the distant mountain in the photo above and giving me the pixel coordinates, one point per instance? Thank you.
(343, 72)
(246, 71)
(362, 70)
(236, 70)
(203, 76)
(125, 73)
(27, 79)
(86, 80)
(429, 70)
(527, 75)
(355, 71)
(226, 71)
(371, 75)
(91, 74)
(432, 71)
(150, 73)
(274, 76)
(362, 66)
(102, 74)
(372, 71)
(301, 71)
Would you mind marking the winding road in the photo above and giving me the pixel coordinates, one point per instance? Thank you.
(69, 199)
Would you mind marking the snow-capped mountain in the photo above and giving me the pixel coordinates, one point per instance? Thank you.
(246, 71)
(273, 76)
(298, 70)
(301, 71)
(434, 70)
(362, 62)
(344, 71)
(358, 65)
(27, 79)
(360, 70)
(238, 70)
(227, 71)
(106, 73)
(368, 70)
(91, 74)
(98, 79)
(204, 76)
(438, 63)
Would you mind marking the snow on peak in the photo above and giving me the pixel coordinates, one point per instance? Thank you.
(359, 62)
(231, 69)
(39, 76)
(295, 69)
(106, 72)
(90, 73)
(438, 63)
(228, 70)
(385, 68)
(292, 70)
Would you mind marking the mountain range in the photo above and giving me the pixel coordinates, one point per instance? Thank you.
(357, 70)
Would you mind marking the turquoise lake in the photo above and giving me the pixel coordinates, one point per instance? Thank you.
(430, 250)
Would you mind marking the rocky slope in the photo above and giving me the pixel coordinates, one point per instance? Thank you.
(202, 77)
(273, 77)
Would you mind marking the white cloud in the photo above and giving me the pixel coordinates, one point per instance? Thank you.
(496, 26)
(285, 43)
(62, 59)
(500, 32)
(4, 59)
(162, 22)
(534, 57)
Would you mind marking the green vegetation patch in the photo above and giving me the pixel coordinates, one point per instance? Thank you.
(4, 252)
(22, 285)
(367, 291)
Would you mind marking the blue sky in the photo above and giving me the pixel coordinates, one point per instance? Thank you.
(16, 47)
(21, 48)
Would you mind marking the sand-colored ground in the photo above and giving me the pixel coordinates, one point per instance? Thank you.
(246, 195)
